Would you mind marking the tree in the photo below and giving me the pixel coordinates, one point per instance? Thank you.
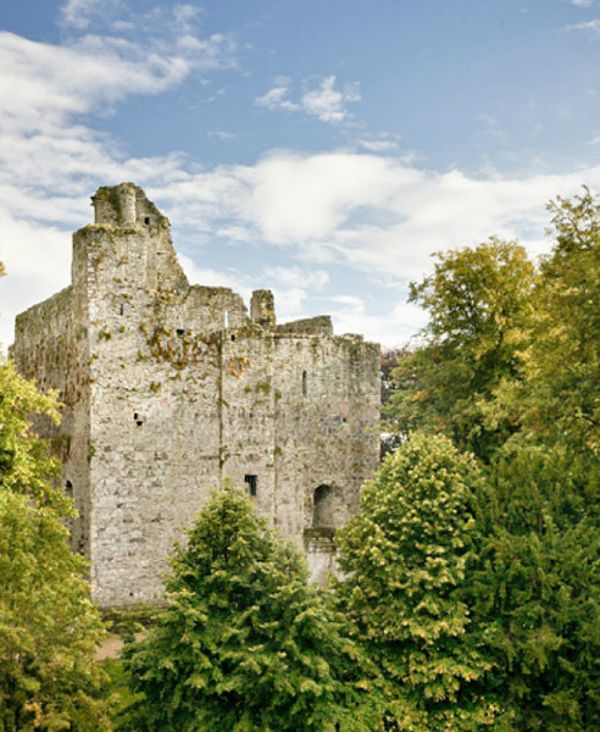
(49, 628)
(408, 553)
(536, 587)
(244, 644)
(26, 465)
(48, 625)
(558, 401)
(479, 306)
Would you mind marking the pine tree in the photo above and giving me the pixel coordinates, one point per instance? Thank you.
(536, 586)
(244, 643)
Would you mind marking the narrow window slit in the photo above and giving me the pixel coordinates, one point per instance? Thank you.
(252, 482)
(304, 383)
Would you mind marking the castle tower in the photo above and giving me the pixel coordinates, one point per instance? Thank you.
(170, 389)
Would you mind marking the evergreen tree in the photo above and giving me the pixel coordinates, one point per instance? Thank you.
(537, 588)
(408, 553)
(244, 644)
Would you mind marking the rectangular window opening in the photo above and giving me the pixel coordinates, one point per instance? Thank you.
(304, 383)
(252, 482)
(226, 318)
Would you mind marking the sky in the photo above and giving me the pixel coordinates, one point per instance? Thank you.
(321, 148)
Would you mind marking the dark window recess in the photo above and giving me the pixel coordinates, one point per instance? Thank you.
(233, 338)
(252, 482)
(147, 220)
(121, 309)
(138, 420)
(69, 488)
(324, 506)
(304, 383)
(180, 331)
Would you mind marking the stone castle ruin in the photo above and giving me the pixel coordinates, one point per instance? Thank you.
(170, 389)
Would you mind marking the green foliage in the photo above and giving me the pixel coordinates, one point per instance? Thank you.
(244, 644)
(408, 553)
(479, 305)
(559, 400)
(48, 626)
(26, 466)
(510, 367)
(537, 586)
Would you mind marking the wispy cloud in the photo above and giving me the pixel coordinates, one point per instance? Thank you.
(321, 98)
(277, 98)
(222, 135)
(591, 27)
(582, 3)
(80, 13)
(378, 143)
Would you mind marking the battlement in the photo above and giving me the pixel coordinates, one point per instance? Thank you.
(126, 205)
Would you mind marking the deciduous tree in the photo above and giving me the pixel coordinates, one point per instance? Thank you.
(48, 625)
(408, 554)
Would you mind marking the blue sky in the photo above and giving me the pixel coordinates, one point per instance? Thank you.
(321, 148)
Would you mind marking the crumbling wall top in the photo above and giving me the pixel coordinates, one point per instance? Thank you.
(126, 205)
(262, 308)
(319, 325)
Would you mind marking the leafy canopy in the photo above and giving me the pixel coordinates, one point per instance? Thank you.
(479, 305)
(48, 625)
(407, 554)
(26, 465)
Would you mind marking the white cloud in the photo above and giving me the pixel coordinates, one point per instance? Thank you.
(591, 27)
(79, 13)
(323, 101)
(222, 135)
(582, 3)
(277, 98)
(328, 103)
(378, 144)
(296, 277)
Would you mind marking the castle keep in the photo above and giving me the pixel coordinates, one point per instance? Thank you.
(169, 389)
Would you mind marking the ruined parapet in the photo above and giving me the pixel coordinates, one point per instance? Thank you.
(130, 242)
(126, 206)
(320, 325)
(262, 308)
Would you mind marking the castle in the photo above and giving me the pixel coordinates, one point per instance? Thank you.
(169, 389)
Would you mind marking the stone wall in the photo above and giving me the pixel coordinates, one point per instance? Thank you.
(172, 388)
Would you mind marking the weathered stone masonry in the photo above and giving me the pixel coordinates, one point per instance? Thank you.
(170, 388)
